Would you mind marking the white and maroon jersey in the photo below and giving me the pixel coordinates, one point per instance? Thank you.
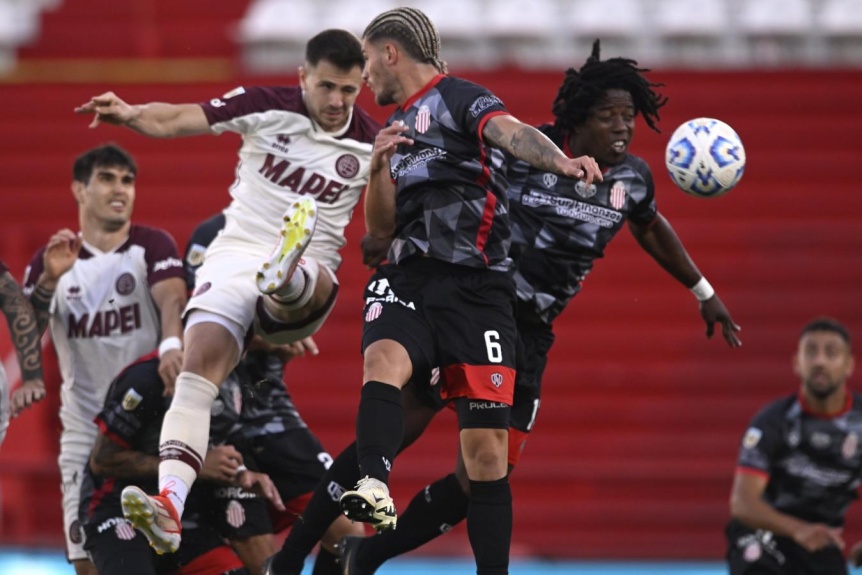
(284, 155)
(102, 314)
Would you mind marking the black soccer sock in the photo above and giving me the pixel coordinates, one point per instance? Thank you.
(326, 564)
(379, 429)
(489, 525)
(432, 512)
(320, 512)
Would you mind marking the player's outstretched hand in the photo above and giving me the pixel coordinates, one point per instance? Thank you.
(108, 108)
(261, 484)
(582, 168)
(712, 311)
(31, 391)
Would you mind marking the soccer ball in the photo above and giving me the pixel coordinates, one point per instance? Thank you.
(705, 157)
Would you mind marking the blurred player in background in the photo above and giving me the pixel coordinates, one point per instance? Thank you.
(269, 426)
(127, 450)
(588, 104)
(111, 292)
(799, 467)
(304, 162)
(25, 335)
(446, 297)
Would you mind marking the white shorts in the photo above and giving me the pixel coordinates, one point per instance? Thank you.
(225, 282)
(76, 443)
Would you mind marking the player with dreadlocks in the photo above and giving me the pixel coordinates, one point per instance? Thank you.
(595, 111)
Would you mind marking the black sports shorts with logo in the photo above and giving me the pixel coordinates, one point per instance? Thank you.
(454, 317)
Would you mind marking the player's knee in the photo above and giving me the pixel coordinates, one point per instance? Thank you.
(340, 528)
(387, 360)
(484, 452)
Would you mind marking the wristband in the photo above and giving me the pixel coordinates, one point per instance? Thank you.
(702, 290)
(168, 344)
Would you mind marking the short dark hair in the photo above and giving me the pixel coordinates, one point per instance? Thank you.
(106, 156)
(338, 47)
(826, 324)
(582, 89)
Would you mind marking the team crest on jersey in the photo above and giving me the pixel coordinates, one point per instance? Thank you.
(196, 255)
(618, 195)
(752, 552)
(423, 119)
(850, 445)
(347, 166)
(549, 179)
(497, 379)
(236, 397)
(752, 437)
(585, 192)
(125, 284)
(132, 399)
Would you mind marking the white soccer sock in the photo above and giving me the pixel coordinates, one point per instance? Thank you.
(185, 435)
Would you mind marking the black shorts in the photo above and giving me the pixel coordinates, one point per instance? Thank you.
(294, 459)
(759, 552)
(239, 514)
(116, 548)
(453, 317)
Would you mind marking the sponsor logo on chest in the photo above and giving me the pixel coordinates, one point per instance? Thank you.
(305, 181)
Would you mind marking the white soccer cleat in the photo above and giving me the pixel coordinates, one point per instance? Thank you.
(298, 225)
(370, 503)
(154, 516)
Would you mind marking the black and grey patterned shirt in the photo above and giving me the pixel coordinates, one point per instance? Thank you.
(450, 204)
(813, 463)
(560, 227)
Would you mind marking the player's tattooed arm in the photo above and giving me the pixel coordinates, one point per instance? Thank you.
(522, 141)
(532, 146)
(40, 300)
(110, 459)
(22, 327)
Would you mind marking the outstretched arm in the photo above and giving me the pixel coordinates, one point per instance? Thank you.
(156, 119)
(532, 146)
(747, 506)
(660, 241)
(26, 339)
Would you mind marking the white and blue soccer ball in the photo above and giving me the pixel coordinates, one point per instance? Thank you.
(705, 157)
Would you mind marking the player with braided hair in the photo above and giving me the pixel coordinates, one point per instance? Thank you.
(445, 298)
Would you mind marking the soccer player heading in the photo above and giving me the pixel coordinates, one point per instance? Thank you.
(800, 465)
(559, 228)
(445, 298)
(303, 163)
